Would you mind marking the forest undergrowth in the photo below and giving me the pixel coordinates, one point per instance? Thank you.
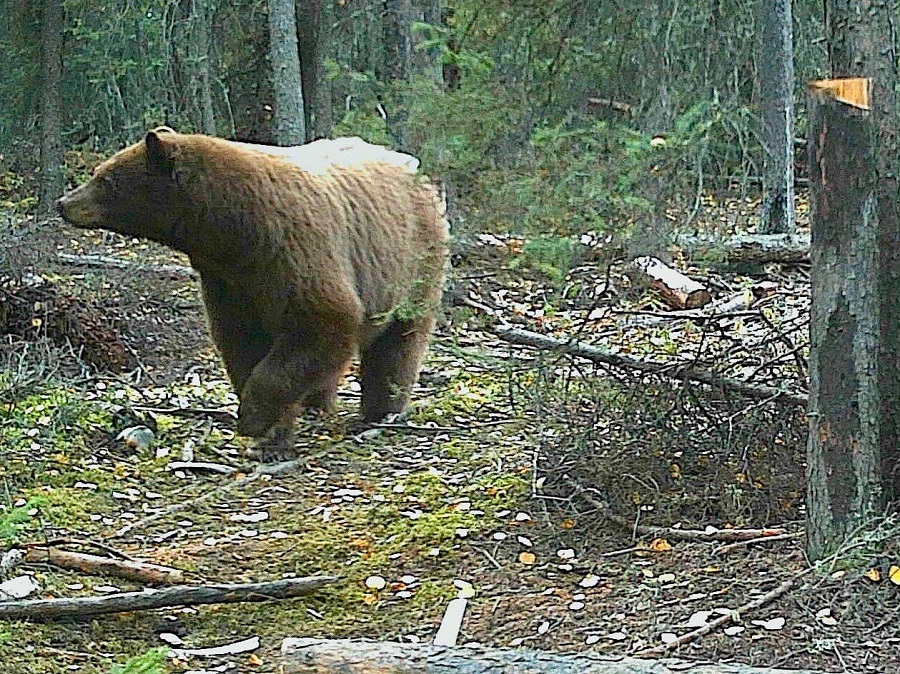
(530, 478)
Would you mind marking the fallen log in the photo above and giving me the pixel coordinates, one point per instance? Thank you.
(678, 290)
(324, 656)
(142, 572)
(747, 248)
(598, 355)
(181, 595)
(109, 262)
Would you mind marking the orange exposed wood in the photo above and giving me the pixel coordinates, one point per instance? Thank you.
(855, 91)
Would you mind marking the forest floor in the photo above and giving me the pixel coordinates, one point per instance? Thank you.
(493, 481)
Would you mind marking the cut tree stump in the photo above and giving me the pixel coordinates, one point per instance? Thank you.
(675, 288)
(333, 656)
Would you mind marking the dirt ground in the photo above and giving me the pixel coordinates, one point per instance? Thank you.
(494, 481)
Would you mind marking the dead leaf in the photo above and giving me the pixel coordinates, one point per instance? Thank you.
(894, 574)
(660, 545)
(527, 558)
(873, 574)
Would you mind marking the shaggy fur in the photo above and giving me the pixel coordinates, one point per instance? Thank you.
(300, 269)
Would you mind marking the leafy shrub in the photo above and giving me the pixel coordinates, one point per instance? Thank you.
(548, 254)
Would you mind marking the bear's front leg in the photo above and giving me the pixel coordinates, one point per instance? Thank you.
(279, 443)
(282, 382)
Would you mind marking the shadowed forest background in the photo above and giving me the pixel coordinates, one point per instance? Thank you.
(536, 114)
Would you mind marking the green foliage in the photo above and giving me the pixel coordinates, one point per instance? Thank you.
(515, 133)
(551, 255)
(12, 521)
(152, 662)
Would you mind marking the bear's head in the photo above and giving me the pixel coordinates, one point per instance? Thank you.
(135, 192)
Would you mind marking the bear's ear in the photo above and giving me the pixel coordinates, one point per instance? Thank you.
(159, 153)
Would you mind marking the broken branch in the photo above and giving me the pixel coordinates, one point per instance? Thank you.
(598, 355)
(671, 533)
(182, 595)
(109, 262)
(735, 616)
(142, 572)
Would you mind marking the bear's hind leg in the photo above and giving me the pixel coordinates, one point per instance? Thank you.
(390, 367)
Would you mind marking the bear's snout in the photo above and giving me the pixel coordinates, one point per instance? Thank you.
(78, 207)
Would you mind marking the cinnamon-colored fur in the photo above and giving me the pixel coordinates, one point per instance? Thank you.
(299, 269)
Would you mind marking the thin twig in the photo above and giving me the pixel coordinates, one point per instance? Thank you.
(762, 539)
(56, 542)
(489, 557)
(735, 616)
(218, 414)
(671, 533)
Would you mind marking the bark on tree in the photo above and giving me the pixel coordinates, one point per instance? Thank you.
(853, 480)
(315, 23)
(398, 53)
(319, 656)
(407, 60)
(427, 63)
(289, 126)
(52, 180)
(202, 11)
(777, 87)
(844, 488)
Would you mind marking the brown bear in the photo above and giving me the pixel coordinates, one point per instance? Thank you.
(304, 261)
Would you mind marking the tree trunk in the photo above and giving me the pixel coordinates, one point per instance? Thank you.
(862, 39)
(316, 19)
(289, 126)
(398, 52)
(201, 14)
(406, 61)
(844, 488)
(52, 180)
(318, 656)
(427, 63)
(854, 447)
(777, 87)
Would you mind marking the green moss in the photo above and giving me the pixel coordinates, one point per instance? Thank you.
(151, 662)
